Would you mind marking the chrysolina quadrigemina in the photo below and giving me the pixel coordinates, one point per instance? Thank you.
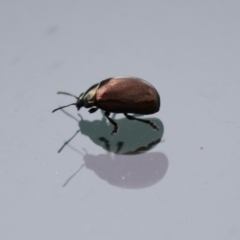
(121, 94)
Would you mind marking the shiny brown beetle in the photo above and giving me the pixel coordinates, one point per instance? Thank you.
(121, 94)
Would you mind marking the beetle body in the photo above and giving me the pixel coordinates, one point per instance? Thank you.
(120, 95)
(127, 95)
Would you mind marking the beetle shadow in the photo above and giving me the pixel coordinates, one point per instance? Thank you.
(133, 137)
(125, 171)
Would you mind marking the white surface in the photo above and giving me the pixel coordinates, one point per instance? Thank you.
(189, 50)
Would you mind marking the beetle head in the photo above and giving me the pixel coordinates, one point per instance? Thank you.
(89, 96)
(86, 99)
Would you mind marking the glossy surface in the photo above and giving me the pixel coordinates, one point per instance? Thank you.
(185, 187)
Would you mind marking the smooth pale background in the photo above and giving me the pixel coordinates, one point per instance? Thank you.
(189, 50)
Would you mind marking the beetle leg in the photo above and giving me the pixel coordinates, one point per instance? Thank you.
(142, 120)
(119, 145)
(92, 110)
(115, 129)
(104, 140)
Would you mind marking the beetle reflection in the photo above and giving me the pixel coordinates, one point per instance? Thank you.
(134, 137)
(125, 171)
(126, 163)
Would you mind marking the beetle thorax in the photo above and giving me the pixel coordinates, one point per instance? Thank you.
(88, 98)
(80, 101)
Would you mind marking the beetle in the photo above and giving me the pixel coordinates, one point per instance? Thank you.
(121, 94)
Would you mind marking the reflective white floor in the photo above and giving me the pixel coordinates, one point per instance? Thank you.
(186, 183)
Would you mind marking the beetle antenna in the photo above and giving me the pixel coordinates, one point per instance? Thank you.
(69, 94)
(63, 107)
(73, 175)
